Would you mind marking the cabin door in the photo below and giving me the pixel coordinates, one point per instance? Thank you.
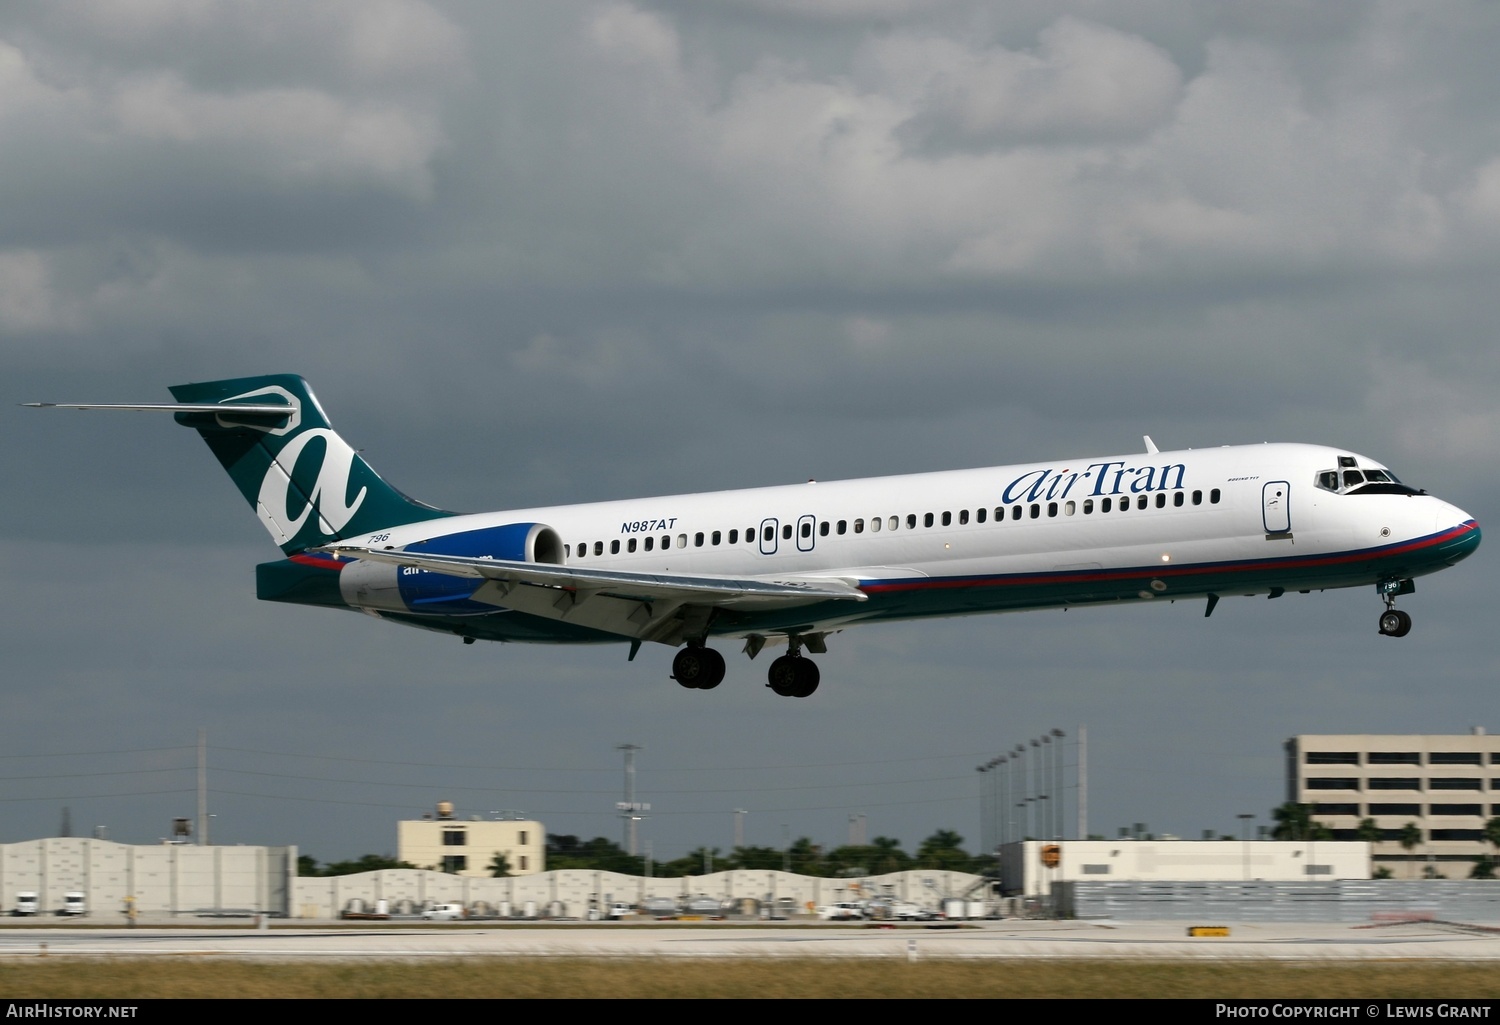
(1276, 507)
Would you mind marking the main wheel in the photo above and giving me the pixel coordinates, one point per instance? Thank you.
(698, 668)
(808, 677)
(1395, 623)
(784, 676)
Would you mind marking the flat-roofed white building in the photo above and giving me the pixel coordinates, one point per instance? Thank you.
(1447, 785)
(1030, 867)
(467, 847)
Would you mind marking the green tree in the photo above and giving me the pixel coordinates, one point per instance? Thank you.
(1411, 835)
(499, 866)
(365, 863)
(1484, 868)
(888, 856)
(1368, 831)
(599, 855)
(756, 858)
(943, 850)
(1293, 821)
(307, 866)
(805, 857)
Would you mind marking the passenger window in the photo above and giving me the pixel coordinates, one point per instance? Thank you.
(1177, 498)
(911, 521)
(614, 548)
(1161, 499)
(1140, 503)
(598, 547)
(979, 515)
(963, 517)
(650, 543)
(1069, 508)
(1036, 511)
(1213, 497)
(843, 527)
(806, 530)
(859, 526)
(698, 539)
(1106, 504)
(947, 519)
(823, 529)
(786, 531)
(1197, 498)
(874, 524)
(895, 522)
(567, 550)
(734, 537)
(1015, 512)
(1088, 506)
(715, 537)
(770, 534)
(1051, 508)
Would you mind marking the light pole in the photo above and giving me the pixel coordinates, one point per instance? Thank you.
(1245, 818)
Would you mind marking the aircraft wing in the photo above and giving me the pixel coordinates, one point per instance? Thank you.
(665, 607)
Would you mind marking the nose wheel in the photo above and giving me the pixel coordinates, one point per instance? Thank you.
(698, 668)
(1394, 622)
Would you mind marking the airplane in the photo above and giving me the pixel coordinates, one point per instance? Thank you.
(797, 563)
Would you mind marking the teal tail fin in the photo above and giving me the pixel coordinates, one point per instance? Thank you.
(307, 485)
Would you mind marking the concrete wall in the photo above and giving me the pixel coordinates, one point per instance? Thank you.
(576, 889)
(163, 879)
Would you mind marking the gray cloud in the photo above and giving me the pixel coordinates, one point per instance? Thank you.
(534, 253)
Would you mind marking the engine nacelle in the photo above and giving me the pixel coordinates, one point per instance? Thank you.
(382, 587)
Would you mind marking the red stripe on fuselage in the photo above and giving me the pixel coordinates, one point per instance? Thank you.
(1258, 565)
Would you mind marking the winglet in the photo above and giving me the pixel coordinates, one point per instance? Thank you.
(1151, 448)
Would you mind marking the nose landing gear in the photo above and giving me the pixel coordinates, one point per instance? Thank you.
(1394, 622)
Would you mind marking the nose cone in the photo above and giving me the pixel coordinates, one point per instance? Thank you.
(1460, 534)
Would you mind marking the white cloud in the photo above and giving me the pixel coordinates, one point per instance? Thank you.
(298, 134)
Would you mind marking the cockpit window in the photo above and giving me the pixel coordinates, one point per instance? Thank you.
(1349, 480)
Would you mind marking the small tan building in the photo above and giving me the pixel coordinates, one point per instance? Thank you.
(467, 847)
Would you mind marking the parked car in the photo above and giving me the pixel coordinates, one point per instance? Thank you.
(445, 913)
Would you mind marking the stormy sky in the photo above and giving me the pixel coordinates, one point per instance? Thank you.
(545, 253)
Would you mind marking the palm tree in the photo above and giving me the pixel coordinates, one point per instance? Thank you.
(1411, 835)
(1293, 821)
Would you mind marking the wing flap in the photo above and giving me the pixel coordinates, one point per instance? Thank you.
(665, 607)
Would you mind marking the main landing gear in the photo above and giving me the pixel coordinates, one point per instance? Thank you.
(1394, 622)
(698, 668)
(791, 675)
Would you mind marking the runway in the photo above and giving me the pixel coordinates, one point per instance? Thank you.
(1069, 940)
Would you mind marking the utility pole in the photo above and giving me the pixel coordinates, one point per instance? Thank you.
(1083, 782)
(739, 827)
(630, 809)
(202, 788)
